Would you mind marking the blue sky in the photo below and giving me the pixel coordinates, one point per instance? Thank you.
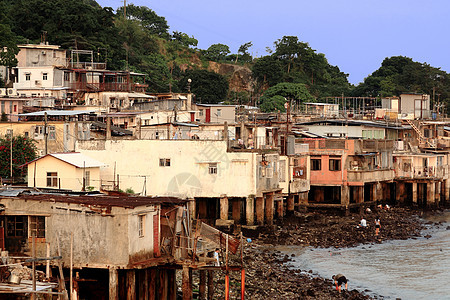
(355, 35)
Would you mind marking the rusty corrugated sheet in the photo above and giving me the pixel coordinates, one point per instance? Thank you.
(219, 238)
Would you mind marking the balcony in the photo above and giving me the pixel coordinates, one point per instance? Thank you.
(440, 172)
(370, 175)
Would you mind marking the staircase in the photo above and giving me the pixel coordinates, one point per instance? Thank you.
(419, 133)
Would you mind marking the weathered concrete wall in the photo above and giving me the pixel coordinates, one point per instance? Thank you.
(137, 162)
(69, 177)
(100, 240)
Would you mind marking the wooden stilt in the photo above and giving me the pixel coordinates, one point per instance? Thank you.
(202, 287)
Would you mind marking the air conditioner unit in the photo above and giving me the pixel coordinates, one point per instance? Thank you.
(3, 92)
(12, 92)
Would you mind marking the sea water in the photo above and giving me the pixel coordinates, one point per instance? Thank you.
(407, 269)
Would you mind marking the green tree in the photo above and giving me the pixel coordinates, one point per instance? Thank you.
(243, 50)
(268, 69)
(23, 151)
(288, 48)
(184, 39)
(154, 24)
(272, 98)
(217, 52)
(208, 87)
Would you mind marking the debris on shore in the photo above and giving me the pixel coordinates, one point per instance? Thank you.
(268, 275)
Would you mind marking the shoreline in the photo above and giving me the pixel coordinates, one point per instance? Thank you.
(268, 274)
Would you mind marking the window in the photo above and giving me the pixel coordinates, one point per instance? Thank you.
(87, 178)
(52, 179)
(9, 132)
(200, 113)
(335, 164)
(212, 169)
(51, 133)
(440, 161)
(219, 112)
(15, 108)
(37, 226)
(316, 164)
(66, 76)
(141, 225)
(15, 226)
(38, 132)
(28, 76)
(407, 167)
(44, 76)
(164, 162)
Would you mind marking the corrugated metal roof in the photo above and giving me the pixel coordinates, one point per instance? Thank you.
(78, 160)
(74, 158)
(105, 201)
(140, 95)
(57, 113)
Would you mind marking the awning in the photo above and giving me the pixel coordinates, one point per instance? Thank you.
(140, 95)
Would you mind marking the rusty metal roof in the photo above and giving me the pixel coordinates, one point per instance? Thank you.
(104, 201)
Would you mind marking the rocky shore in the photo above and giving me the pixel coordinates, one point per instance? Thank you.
(267, 273)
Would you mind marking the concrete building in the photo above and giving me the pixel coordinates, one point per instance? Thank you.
(11, 107)
(347, 172)
(408, 106)
(69, 171)
(216, 113)
(422, 179)
(39, 71)
(208, 171)
(115, 242)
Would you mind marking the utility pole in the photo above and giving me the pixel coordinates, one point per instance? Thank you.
(45, 134)
(11, 156)
(125, 9)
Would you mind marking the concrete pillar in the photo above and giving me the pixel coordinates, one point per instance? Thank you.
(290, 203)
(249, 210)
(131, 285)
(437, 190)
(303, 198)
(414, 193)
(259, 210)
(447, 190)
(269, 208)
(430, 193)
(360, 194)
(280, 208)
(187, 283)
(224, 208)
(345, 195)
(113, 284)
(236, 210)
(398, 192)
(378, 192)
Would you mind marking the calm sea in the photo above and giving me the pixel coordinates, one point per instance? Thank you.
(412, 269)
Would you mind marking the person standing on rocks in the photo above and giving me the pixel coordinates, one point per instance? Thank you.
(377, 225)
(363, 223)
(339, 280)
(216, 256)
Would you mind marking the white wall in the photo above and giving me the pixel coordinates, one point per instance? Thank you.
(137, 162)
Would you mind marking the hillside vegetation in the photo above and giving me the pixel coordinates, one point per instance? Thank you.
(142, 42)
